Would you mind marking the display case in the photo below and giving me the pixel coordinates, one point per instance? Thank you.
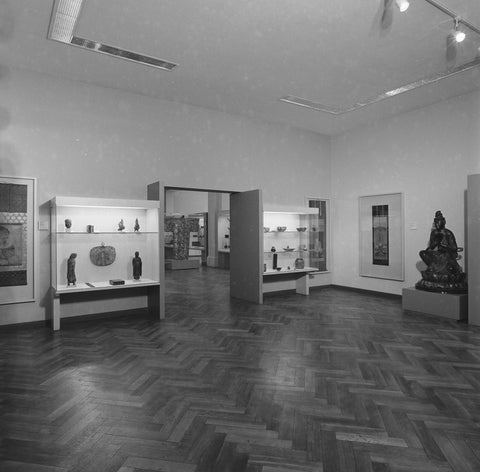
(291, 240)
(93, 245)
(291, 249)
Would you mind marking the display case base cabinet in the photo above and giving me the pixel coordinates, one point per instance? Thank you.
(153, 295)
(298, 280)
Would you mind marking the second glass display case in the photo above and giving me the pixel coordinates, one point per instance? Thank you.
(291, 241)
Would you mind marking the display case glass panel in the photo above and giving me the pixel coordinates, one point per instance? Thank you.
(321, 236)
(291, 240)
(104, 234)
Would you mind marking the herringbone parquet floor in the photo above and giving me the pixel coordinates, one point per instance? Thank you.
(337, 381)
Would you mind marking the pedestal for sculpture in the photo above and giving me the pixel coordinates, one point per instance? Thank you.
(447, 305)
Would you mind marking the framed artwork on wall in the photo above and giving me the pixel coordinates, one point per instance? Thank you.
(17, 239)
(382, 236)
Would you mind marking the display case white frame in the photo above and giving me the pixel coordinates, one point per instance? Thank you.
(95, 222)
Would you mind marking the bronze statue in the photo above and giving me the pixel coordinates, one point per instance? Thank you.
(137, 266)
(71, 277)
(443, 273)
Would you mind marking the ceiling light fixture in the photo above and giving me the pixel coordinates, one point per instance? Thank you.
(402, 5)
(458, 34)
(63, 24)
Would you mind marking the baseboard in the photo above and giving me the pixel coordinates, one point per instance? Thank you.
(26, 325)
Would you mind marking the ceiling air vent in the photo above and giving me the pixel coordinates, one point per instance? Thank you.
(62, 28)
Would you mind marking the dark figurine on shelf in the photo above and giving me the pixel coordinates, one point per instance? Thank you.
(137, 266)
(137, 226)
(68, 224)
(443, 273)
(71, 277)
(121, 226)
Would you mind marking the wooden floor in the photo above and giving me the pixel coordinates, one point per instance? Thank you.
(337, 381)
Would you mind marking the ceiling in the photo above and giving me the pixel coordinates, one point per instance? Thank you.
(243, 56)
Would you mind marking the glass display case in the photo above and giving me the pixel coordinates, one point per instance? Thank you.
(291, 240)
(93, 245)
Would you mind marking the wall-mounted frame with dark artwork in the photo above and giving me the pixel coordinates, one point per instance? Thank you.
(17, 239)
(381, 236)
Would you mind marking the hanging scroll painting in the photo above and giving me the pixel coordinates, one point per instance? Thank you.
(17, 219)
(381, 236)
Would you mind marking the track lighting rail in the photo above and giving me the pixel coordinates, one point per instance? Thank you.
(452, 14)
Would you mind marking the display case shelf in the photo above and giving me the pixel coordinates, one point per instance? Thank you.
(92, 275)
(67, 233)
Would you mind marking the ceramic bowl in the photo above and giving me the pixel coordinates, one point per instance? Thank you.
(279, 269)
(281, 228)
(302, 229)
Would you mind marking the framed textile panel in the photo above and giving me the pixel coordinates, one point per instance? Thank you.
(382, 236)
(17, 239)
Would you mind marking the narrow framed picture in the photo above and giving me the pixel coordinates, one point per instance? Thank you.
(17, 239)
(382, 236)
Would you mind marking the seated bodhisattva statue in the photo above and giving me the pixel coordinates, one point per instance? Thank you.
(443, 273)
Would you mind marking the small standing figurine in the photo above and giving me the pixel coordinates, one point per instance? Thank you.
(137, 266)
(121, 226)
(71, 278)
(137, 226)
(68, 224)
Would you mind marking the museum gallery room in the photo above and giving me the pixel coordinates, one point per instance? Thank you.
(239, 236)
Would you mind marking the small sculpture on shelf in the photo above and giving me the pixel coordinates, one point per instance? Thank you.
(121, 225)
(136, 228)
(299, 263)
(71, 277)
(443, 273)
(68, 224)
(137, 266)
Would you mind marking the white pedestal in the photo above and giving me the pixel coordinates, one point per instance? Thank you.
(448, 305)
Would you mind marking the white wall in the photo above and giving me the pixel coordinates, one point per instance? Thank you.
(84, 140)
(425, 154)
(185, 202)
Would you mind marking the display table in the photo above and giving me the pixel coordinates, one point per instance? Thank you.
(448, 305)
(180, 264)
(293, 279)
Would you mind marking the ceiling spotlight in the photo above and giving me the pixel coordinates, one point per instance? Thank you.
(459, 35)
(402, 5)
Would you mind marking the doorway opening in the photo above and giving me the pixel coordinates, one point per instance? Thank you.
(197, 229)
